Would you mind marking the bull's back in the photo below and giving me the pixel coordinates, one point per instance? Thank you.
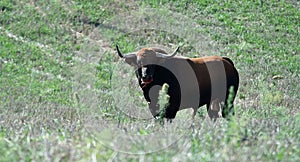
(215, 75)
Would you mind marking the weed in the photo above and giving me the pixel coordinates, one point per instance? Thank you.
(163, 101)
(56, 68)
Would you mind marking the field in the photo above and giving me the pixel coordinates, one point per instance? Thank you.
(66, 96)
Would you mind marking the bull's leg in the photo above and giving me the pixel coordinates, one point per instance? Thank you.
(169, 120)
(171, 111)
(194, 112)
(195, 109)
(214, 109)
(154, 109)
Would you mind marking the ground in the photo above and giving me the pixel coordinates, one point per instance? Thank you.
(65, 94)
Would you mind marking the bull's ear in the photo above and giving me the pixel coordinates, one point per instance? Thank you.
(131, 60)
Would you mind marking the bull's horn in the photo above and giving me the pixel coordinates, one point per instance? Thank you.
(167, 56)
(129, 55)
(119, 52)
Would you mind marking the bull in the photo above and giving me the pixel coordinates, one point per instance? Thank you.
(193, 82)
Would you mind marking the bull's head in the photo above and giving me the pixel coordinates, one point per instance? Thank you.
(145, 60)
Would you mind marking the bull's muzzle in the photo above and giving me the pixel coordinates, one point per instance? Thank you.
(146, 77)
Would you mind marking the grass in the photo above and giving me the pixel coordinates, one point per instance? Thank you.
(65, 95)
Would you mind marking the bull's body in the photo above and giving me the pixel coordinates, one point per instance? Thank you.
(193, 82)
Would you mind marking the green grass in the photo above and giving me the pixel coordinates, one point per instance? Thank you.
(62, 95)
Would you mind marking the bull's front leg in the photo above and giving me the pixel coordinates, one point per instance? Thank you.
(151, 95)
(154, 109)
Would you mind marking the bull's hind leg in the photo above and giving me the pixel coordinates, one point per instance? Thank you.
(214, 109)
(195, 109)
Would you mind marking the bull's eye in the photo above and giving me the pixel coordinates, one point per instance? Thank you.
(139, 63)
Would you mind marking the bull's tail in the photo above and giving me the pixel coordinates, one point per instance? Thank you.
(229, 60)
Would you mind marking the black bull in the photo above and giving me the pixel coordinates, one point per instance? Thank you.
(193, 82)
